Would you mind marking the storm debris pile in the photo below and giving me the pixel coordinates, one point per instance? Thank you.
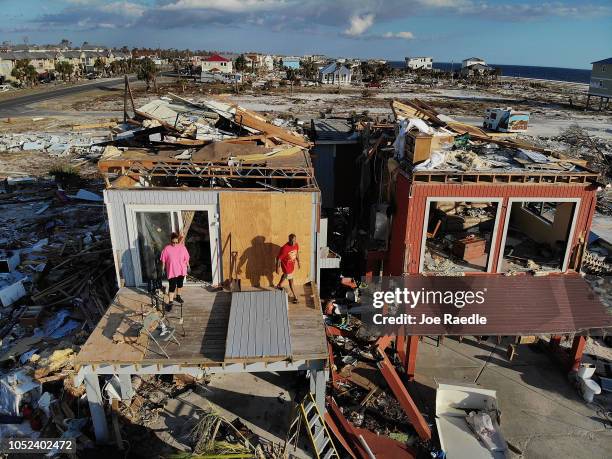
(56, 280)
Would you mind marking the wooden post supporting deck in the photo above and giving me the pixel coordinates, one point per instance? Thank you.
(412, 344)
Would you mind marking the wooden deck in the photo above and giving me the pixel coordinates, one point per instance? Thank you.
(206, 317)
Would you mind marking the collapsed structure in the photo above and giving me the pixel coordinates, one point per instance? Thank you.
(424, 198)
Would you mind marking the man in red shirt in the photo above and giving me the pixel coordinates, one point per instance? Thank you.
(286, 260)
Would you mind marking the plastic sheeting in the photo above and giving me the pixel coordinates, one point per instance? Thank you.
(436, 159)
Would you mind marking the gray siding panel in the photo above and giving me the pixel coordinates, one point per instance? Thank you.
(118, 199)
(258, 326)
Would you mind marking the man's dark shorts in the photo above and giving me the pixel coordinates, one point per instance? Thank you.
(175, 282)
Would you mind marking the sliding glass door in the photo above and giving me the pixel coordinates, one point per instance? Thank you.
(151, 233)
(154, 230)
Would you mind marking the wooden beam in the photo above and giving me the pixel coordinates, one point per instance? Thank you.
(403, 397)
(254, 121)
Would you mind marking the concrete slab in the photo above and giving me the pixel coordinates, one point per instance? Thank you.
(542, 413)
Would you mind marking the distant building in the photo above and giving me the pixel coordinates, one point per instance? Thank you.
(335, 73)
(316, 58)
(259, 62)
(417, 63)
(601, 81)
(476, 70)
(216, 63)
(472, 61)
(267, 62)
(291, 62)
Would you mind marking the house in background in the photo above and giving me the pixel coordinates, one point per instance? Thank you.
(416, 63)
(335, 73)
(216, 63)
(601, 82)
(475, 70)
(472, 61)
(267, 62)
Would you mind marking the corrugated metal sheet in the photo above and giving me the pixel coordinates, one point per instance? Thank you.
(414, 197)
(117, 200)
(258, 326)
(518, 305)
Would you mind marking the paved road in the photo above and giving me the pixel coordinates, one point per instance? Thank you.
(20, 105)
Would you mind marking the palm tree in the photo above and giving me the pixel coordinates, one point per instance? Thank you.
(308, 69)
(99, 65)
(147, 71)
(64, 68)
(24, 72)
(240, 63)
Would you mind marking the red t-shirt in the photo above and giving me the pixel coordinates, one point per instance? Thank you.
(287, 256)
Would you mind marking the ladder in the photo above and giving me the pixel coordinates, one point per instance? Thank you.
(320, 439)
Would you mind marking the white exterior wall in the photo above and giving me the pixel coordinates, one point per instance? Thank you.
(414, 63)
(6, 67)
(340, 76)
(224, 67)
(468, 62)
(268, 63)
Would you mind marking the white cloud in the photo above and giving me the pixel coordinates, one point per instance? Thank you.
(230, 6)
(402, 35)
(126, 8)
(359, 24)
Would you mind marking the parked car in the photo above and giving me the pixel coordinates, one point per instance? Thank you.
(5, 87)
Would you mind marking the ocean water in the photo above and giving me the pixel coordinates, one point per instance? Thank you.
(525, 71)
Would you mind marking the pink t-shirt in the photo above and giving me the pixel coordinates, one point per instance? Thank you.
(175, 258)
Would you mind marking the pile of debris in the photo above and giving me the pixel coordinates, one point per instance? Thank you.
(369, 405)
(175, 121)
(59, 144)
(56, 280)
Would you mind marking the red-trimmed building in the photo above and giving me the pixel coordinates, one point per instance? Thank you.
(489, 212)
(217, 63)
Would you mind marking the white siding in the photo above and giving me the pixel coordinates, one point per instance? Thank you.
(116, 200)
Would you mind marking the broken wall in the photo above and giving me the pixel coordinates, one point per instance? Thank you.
(254, 226)
(538, 229)
(411, 204)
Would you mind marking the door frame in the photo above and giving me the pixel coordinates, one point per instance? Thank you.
(213, 228)
(570, 237)
(494, 235)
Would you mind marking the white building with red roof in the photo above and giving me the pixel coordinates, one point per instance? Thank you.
(216, 63)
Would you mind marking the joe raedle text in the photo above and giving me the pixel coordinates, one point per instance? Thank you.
(396, 298)
(424, 319)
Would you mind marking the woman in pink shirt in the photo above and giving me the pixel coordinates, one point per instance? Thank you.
(175, 261)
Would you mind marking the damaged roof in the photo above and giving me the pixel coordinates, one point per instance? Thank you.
(174, 141)
(465, 149)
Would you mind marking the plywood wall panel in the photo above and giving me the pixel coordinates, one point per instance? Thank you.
(253, 228)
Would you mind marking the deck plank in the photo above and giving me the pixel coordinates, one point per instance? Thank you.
(206, 324)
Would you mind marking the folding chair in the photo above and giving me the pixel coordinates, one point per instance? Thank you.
(155, 327)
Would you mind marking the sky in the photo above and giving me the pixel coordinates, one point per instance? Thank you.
(522, 32)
